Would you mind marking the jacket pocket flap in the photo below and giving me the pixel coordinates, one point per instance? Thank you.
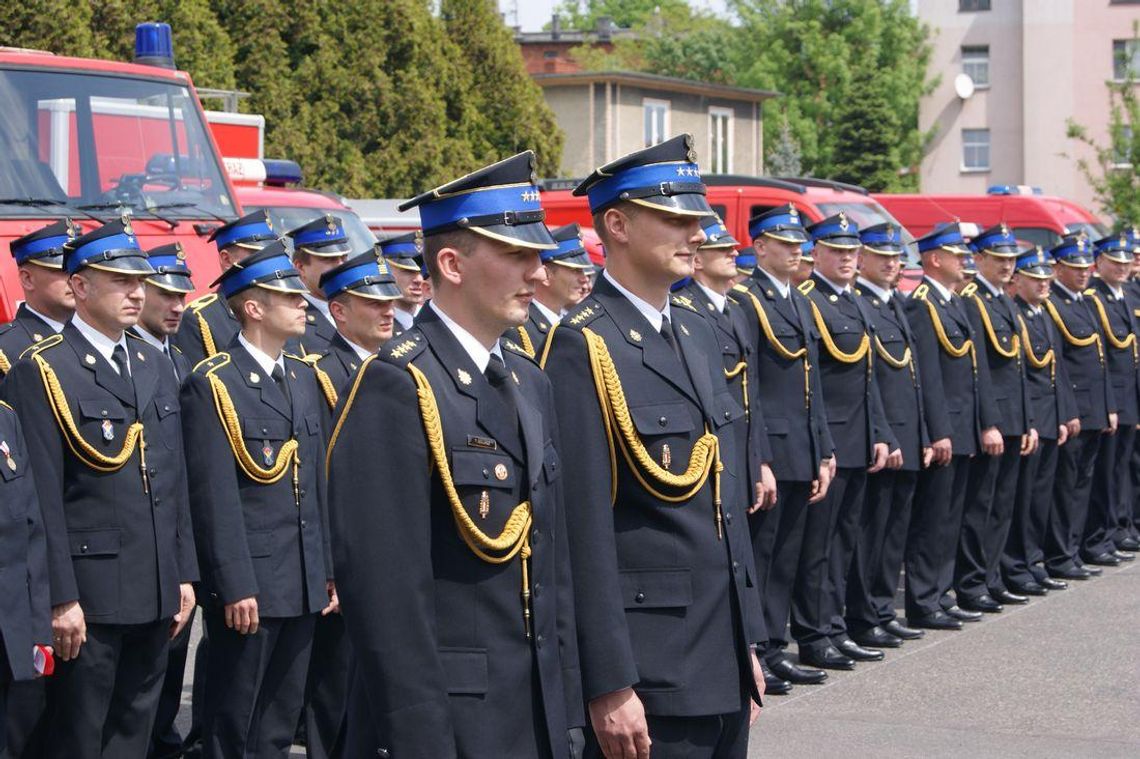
(482, 468)
(661, 418)
(94, 542)
(165, 405)
(260, 543)
(656, 588)
(313, 424)
(101, 410)
(266, 429)
(465, 670)
(776, 425)
(551, 465)
(727, 410)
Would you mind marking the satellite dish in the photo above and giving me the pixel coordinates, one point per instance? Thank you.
(963, 86)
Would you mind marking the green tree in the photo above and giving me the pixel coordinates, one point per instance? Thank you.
(513, 114)
(36, 24)
(783, 159)
(812, 52)
(865, 152)
(1113, 170)
(584, 14)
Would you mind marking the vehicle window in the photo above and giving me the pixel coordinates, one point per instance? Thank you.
(1094, 230)
(1042, 236)
(285, 218)
(70, 140)
(720, 210)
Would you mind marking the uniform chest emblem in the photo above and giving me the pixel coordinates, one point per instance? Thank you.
(484, 504)
(833, 298)
(267, 454)
(254, 377)
(11, 462)
(635, 335)
(37, 337)
(684, 329)
(141, 356)
(89, 359)
(666, 456)
(108, 430)
(463, 375)
(500, 472)
(312, 319)
(515, 377)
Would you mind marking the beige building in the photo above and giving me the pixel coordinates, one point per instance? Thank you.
(606, 114)
(1033, 65)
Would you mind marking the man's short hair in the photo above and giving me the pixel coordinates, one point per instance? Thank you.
(236, 301)
(598, 219)
(460, 239)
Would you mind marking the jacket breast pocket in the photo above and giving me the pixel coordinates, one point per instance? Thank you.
(264, 437)
(486, 482)
(727, 410)
(551, 464)
(169, 420)
(656, 602)
(103, 423)
(465, 670)
(94, 555)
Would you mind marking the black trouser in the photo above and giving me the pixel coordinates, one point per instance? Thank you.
(777, 541)
(102, 703)
(811, 607)
(986, 515)
(164, 738)
(886, 517)
(718, 736)
(1096, 538)
(932, 540)
(255, 686)
(326, 690)
(1023, 555)
(1121, 523)
(847, 554)
(27, 701)
(1071, 485)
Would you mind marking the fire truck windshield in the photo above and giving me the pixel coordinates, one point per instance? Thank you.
(72, 142)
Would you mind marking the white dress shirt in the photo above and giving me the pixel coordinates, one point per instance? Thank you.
(651, 314)
(104, 345)
(479, 353)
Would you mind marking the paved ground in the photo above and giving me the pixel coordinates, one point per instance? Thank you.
(1059, 677)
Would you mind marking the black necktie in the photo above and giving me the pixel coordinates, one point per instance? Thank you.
(119, 357)
(496, 372)
(279, 377)
(170, 358)
(670, 338)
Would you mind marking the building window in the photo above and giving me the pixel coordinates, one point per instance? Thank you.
(975, 150)
(549, 54)
(720, 141)
(965, 6)
(976, 64)
(1125, 59)
(656, 121)
(1120, 150)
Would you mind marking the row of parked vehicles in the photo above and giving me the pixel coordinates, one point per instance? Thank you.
(92, 139)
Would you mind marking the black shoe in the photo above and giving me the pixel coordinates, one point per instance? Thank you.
(1103, 560)
(1123, 555)
(775, 686)
(857, 652)
(962, 614)
(1074, 573)
(938, 620)
(877, 637)
(899, 630)
(1008, 597)
(785, 669)
(825, 658)
(982, 603)
(1130, 544)
(1093, 571)
(1032, 588)
(1051, 583)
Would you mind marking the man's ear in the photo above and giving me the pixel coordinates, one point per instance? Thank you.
(339, 311)
(449, 263)
(617, 224)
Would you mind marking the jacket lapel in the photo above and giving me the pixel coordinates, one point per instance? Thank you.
(256, 379)
(105, 375)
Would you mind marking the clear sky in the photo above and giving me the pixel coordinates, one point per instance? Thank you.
(533, 14)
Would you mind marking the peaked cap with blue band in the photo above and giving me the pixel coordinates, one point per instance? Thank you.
(946, 237)
(268, 268)
(365, 276)
(746, 261)
(571, 251)
(806, 248)
(716, 234)
(1036, 263)
(884, 239)
(323, 236)
(111, 247)
(836, 231)
(1074, 251)
(996, 241)
(404, 251)
(969, 265)
(254, 231)
(1133, 233)
(499, 201)
(664, 177)
(45, 245)
(780, 223)
(1114, 247)
(170, 270)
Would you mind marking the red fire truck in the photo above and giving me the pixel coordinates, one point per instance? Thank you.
(93, 139)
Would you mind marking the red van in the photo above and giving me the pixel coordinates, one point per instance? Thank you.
(1034, 218)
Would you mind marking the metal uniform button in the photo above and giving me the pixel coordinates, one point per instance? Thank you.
(486, 474)
(639, 598)
(727, 414)
(264, 431)
(535, 536)
(662, 421)
(304, 523)
(728, 517)
(104, 412)
(735, 566)
(83, 548)
(539, 641)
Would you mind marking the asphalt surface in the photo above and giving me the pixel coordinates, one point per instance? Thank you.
(1058, 677)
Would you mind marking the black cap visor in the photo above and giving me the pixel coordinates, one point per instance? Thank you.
(579, 260)
(1038, 271)
(48, 262)
(533, 236)
(120, 261)
(682, 204)
(791, 234)
(172, 282)
(329, 250)
(840, 242)
(383, 290)
(290, 283)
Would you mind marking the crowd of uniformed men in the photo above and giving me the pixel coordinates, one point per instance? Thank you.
(549, 512)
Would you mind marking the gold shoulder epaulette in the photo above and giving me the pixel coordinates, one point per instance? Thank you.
(583, 314)
(739, 288)
(198, 304)
(5, 405)
(524, 338)
(1090, 291)
(404, 349)
(969, 290)
(211, 364)
(684, 301)
(920, 292)
(5, 364)
(514, 347)
(35, 348)
(806, 286)
(132, 335)
(305, 359)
